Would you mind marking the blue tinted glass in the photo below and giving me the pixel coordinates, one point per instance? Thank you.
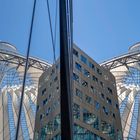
(97, 105)
(83, 59)
(78, 66)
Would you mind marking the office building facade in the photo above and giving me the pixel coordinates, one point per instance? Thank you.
(95, 104)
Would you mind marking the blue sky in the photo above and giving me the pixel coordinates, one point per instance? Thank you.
(102, 28)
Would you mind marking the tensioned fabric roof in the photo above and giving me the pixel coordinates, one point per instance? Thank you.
(12, 66)
(126, 69)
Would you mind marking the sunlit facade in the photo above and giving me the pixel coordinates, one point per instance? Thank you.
(11, 78)
(126, 69)
(95, 104)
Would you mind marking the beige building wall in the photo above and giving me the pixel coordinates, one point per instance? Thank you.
(95, 104)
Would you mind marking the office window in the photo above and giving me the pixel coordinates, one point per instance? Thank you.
(102, 84)
(44, 91)
(95, 123)
(75, 77)
(99, 71)
(107, 128)
(50, 84)
(43, 133)
(88, 99)
(91, 66)
(114, 115)
(109, 90)
(94, 78)
(48, 111)
(76, 111)
(87, 116)
(102, 96)
(97, 105)
(108, 100)
(105, 110)
(49, 128)
(81, 133)
(45, 101)
(57, 88)
(84, 83)
(75, 52)
(78, 132)
(86, 73)
(56, 104)
(50, 96)
(117, 106)
(79, 93)
(91, 119)
(41, 116)
(93, 90)
(78, 66)
(55, 79)
(56, 122)
(83, 59)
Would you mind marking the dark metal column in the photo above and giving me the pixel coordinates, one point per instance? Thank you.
(66, 69)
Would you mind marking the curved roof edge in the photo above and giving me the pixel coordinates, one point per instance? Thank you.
(135, 47)
(133, 50)
(8, 44)
(12, 50)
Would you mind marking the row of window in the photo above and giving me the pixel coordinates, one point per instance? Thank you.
(76, 110)
(44, 91)
(108, 100)
(107, 129)
(89, 99)
(85, 61)
(49, 128)
(80, 133)
(85, 83)
(49, 109)
(88, 118)
(92, 120)
(87, 73)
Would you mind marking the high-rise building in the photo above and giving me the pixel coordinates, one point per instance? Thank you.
(95, 104)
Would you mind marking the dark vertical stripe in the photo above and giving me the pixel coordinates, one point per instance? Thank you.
(65, 74)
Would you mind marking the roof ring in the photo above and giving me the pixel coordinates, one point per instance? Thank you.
(5, 46)
(135, 47)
